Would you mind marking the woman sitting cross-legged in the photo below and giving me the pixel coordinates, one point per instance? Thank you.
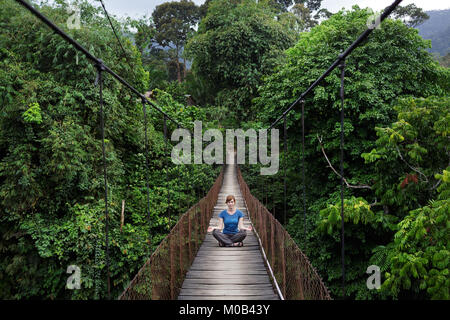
(231, 221)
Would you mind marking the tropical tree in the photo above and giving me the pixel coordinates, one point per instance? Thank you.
(376, 76)
(237, 42)
(51, 168)
(174, 22)
(411, 15)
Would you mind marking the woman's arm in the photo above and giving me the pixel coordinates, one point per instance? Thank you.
(220, 226)
(241, 225)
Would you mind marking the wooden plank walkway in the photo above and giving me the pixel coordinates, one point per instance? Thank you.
(228, 273)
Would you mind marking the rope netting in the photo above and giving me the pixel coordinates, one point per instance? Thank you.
(163, 274)
(296, 277)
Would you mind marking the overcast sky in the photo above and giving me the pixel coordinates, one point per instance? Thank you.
(137, 8)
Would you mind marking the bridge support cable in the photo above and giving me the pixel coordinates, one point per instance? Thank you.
(342, 67)
(91, 57)
(284, 167)
(336, 63)
(99, 82)
(303, 169)
(144, 109)
(114, 31)
(167, 171)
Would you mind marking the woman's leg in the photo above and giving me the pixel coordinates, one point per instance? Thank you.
(222, 238)
(239, 237)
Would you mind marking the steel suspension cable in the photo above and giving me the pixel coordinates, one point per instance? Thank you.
(303, 168)
(90, 56)
(341, 57)
(99, 80)
(342, 67)
(167, 170)
(284, 167)
(144, 108)
(114, 30)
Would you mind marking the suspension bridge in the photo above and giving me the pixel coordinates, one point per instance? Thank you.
(188, 263)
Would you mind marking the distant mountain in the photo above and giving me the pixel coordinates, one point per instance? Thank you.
(437, 28)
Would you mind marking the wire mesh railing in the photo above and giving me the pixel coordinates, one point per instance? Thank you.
(163, 274)
(295, 275)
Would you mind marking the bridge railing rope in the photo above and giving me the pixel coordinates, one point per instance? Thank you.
(162, 276)
(297, 278)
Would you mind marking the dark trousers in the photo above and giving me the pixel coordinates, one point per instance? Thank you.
(229, 239)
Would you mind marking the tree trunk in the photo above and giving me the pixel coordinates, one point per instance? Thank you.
(178, 67)
(184, 67)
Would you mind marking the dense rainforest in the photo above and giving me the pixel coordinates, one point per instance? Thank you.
(229, 64)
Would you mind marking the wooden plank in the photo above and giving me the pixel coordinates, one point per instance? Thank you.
(243, 264)
(230, 292)
(223, 267)
(189, 285)
(235, 280)
(211, 253)
(248, 274)
(239, 270)
(235, 256)
(214, 245)
(230, 263)
(211, 247)
(228, 257)
(218, 260)
(261, 297)
(227, 265)
(246, 242)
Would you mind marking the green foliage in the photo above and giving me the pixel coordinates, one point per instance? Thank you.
(356, 210)
(397, 126)
(378, 74)
(174, 23)
(51, 166)
(410, 152)
(33, 114)
(420, 256)
(411, 14)
(236, 43)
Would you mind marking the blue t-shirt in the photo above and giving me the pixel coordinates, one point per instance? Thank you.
(231, 221)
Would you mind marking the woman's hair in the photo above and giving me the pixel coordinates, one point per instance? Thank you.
(230, 197)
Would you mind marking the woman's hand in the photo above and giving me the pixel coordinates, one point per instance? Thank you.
(249, 228)
(210, 229)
